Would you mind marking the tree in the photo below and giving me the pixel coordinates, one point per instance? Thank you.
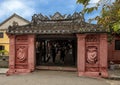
(110, 13)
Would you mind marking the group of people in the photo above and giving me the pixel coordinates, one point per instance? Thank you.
(48, 50)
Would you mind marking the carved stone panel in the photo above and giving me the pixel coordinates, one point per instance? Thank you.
(21, 53)
(91, 55)
(92, 38)
(21, 56)
(22, 39)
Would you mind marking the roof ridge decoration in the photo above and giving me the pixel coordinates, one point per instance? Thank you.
(57, 16)
(77, 16)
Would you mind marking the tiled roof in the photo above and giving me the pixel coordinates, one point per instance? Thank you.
(12, 17)
(56, 24)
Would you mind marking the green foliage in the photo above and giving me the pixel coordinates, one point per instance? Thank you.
(110, 17)
(84, 2)
(3, 52)
(110, 38)
(110, 13)
(89, 10)
(116, 27)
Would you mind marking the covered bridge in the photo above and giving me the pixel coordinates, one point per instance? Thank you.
(88, 42)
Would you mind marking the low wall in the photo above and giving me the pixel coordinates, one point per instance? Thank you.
(4, 61)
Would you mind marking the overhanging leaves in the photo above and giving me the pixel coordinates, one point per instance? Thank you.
(89, 10)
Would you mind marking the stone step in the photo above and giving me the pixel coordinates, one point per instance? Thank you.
(56, 68)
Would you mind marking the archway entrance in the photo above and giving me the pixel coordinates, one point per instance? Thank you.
(56, 51)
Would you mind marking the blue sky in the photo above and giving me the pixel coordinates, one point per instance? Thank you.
(26, 8)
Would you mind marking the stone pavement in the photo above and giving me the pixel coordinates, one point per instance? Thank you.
(113, 74)
(43, 77)
(50, 78)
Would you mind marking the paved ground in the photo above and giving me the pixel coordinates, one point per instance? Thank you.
(113, 82)
(53, 78)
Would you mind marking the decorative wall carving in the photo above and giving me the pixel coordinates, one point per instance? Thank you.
(92, 54)
(21, 53)
(92, 38)
(21, 60)
(22, 39)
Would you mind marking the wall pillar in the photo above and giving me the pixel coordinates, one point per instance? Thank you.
(92, 55)
(103, 55)
(22, 54)
(81, 54)
(31, 52)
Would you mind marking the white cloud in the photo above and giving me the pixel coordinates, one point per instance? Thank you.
(94, 1)
(20, 7)
(26, 8)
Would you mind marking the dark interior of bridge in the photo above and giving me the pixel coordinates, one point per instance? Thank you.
(56, 52)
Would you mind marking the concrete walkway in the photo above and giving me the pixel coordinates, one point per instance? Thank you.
(50, 78)
(113, 74)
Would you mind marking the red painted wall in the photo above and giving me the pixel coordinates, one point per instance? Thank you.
(113, 55)
(92, 55)
(22, 54)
